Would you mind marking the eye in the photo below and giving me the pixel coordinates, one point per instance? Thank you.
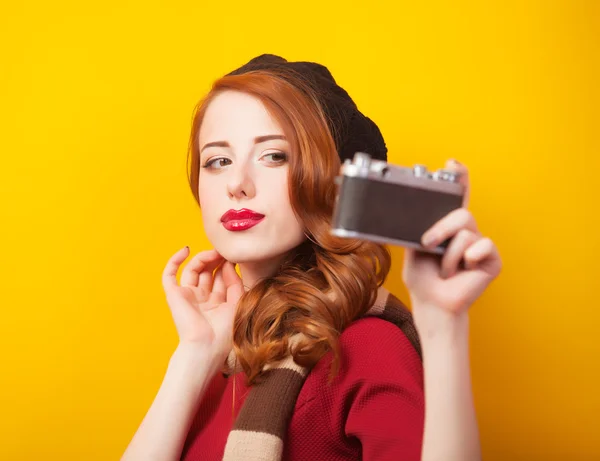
(220, 161)
(278, 157)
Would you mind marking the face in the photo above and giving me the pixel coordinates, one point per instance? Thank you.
(244, 165)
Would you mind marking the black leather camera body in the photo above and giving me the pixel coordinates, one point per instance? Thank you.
(387, 203)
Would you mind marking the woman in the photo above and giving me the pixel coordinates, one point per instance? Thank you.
(322, 363)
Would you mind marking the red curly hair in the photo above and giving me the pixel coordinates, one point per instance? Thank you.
(326, 282)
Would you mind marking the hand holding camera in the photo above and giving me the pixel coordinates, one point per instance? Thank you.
(448, 263)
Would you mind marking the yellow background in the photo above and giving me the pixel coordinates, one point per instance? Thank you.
(96, 108)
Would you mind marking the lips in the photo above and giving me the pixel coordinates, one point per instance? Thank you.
(241, 220)
(241, 215)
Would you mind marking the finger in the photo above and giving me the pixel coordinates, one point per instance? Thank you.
(468, 287)
(233, 283)
(455, 252)
(206, 278)
(483, 254)
(413, 257)
(205, 261)
(218, 288)
(448, 226)
(463, 178)
(169, 275)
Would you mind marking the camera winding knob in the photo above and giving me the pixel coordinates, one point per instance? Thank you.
(446, 175)
(420, 171)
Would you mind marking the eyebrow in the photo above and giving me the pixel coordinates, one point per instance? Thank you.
(257, 140)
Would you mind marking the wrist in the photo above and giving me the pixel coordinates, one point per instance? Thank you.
(436, 324)
(196, 359)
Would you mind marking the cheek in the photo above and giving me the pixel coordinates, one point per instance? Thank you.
(281, 201)
(281, 195)
(204, 194)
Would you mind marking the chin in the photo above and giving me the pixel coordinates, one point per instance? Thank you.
(250, 256)
(252, 252)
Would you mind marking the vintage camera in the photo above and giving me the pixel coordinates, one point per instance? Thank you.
(387, 203)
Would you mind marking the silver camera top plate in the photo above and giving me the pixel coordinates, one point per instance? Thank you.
(378, 170)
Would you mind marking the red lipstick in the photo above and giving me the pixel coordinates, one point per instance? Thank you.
(239, 220)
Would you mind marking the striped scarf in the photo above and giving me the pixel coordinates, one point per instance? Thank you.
(259, 430)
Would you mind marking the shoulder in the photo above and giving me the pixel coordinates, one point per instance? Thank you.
(373, 332)
(374, 345)
(377, 396)
(372, 351)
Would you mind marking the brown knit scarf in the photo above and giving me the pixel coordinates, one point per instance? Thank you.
(259, 431)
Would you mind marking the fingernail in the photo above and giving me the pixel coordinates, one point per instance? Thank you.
(456, 161)
(187, 247)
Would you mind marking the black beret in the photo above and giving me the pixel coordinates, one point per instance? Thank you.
(352, 131)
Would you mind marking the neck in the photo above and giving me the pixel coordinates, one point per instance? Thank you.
(253, 271)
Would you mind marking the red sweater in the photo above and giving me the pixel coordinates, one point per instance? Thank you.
(373, 410)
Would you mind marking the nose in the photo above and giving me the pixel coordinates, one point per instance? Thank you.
(241, 184)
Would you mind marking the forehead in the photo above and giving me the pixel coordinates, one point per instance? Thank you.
(233, 114)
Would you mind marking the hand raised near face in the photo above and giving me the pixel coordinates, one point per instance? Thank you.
(203, 303)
